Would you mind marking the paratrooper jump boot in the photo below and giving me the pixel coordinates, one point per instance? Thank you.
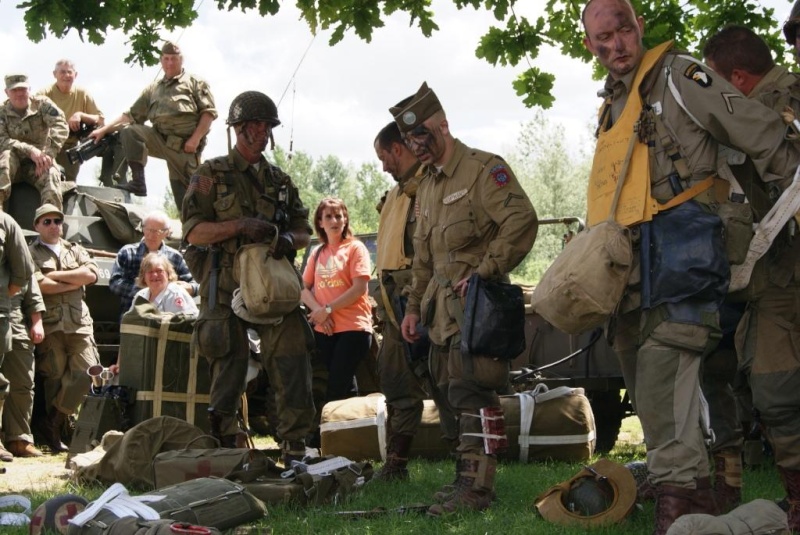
(225, 441)
(673, 502)
(728, 479)
(51, 429)
(474, 488)
(395, 467)
(137, 186)
(293, 450)
(791, 482)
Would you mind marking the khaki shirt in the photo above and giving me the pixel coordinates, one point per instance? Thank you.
(474, 216)
(77, 100)
(16, 264)
(224, 189)
(42, 126)
(717, 114)
(66, 311)
(174, 105)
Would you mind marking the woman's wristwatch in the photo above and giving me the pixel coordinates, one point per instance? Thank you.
(328, 309)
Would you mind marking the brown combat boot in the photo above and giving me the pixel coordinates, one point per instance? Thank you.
(673, 502)
(51, 429)
(293, 450)
(137, 186)
(23, 448)
(474, 488)
(215, 421)
(791, 482)
(394, 469)
(728, 480)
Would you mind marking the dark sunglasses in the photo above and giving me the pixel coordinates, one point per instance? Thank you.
(57, 221)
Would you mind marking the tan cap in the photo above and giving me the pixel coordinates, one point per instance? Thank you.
(45, 209)
(412, 111)
(170, 48)
(14, 81)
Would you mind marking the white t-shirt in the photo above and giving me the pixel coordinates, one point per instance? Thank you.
(173, 299)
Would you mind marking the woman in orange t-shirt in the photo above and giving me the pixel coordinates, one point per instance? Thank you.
(335, 293)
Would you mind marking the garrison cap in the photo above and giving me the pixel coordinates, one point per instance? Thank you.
(14, 81)
(170, 48)
(792, 23)
(45, 209)
(412, 111)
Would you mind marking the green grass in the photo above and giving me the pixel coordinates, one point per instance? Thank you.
(517, 486)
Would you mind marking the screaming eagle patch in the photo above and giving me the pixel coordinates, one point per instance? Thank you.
(695, 73)
(499, 174)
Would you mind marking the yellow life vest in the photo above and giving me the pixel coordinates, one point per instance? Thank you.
(636, 205)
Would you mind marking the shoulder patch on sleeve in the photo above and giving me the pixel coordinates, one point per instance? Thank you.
(201, 184)
(696, 73)
(499, 174)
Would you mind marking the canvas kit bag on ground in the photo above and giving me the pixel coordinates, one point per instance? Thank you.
(318, 481)
(270, 288)
(177, 466)
(156, 360)
(212, 502)
(540, 424)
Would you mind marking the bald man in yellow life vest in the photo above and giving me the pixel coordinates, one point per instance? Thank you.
(663, 118)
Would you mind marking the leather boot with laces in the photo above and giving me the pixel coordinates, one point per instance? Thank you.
(395, 467)
(791, 482)
(215, 421)
(474, 488)
(673, 502)
(137, 186)
(728, 479)
(51, 429)
(293, 450)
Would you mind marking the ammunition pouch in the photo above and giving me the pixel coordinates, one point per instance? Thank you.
(737, 220)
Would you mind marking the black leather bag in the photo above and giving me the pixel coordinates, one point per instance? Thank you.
(494, 319)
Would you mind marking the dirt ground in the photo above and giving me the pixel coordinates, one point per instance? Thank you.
(34, 474)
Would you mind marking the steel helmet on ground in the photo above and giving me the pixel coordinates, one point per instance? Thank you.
(253, 106)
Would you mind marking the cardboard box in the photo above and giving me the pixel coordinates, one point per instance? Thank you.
(157, 361)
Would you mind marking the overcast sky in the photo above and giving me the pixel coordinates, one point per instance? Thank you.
(341, 95)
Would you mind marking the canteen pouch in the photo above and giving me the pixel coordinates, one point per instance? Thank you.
(585, 283)
(494, 319)
(270, 288)
(682, 256)
(737, 219)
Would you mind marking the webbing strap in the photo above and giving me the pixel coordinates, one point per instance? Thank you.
(688, 194)
(787, 205)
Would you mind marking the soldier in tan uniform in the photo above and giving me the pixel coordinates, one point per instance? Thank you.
(68, 349)
(668, 319)
(180, 108)
(766, 349)
(474, 217)
(17, 370)
(232, 201)
(405, 376)
(32, 131)
(79, 109)
(16, 270)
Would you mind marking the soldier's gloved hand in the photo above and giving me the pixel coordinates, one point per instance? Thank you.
(257, 230)
(283, 246)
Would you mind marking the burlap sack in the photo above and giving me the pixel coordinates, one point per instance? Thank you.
(585, 283)
(759, 517)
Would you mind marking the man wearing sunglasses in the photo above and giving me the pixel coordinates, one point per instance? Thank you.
(155, 228)
(63, 269)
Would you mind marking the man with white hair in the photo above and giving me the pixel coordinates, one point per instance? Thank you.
(129, 259)
(79, 109)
